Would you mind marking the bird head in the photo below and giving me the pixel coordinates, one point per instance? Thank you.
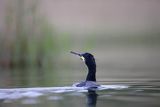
(87, 58)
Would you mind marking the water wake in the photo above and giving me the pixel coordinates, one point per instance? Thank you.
(18, 93)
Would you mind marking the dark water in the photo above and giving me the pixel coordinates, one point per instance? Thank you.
(53, 88)
(110, 94)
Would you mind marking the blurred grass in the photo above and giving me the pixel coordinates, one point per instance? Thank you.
(29, 39)
(30, 46)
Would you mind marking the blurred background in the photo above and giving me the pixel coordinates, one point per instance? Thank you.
(36, 37)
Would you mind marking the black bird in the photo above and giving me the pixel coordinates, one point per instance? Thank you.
(89, 60)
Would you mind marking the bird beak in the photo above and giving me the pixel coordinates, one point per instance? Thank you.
(75, 53)
(80, 55)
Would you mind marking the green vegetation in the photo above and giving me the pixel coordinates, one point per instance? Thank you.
(27, 42)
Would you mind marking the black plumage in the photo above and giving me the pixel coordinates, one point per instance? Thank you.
(91, 65)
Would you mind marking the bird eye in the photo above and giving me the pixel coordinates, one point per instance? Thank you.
(82, 58)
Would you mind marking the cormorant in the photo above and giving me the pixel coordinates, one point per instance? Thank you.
(89, 60)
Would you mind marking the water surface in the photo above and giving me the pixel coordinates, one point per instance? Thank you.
(110, 94)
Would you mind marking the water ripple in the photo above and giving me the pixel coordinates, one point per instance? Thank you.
(18, 93)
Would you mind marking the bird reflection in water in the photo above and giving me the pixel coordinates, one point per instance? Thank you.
(91, 98)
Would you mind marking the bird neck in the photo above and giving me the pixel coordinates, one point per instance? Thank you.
(91, 76)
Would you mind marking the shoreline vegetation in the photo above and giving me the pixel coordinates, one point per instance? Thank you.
(30, 40)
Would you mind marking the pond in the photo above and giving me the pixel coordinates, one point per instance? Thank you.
(109, 94)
